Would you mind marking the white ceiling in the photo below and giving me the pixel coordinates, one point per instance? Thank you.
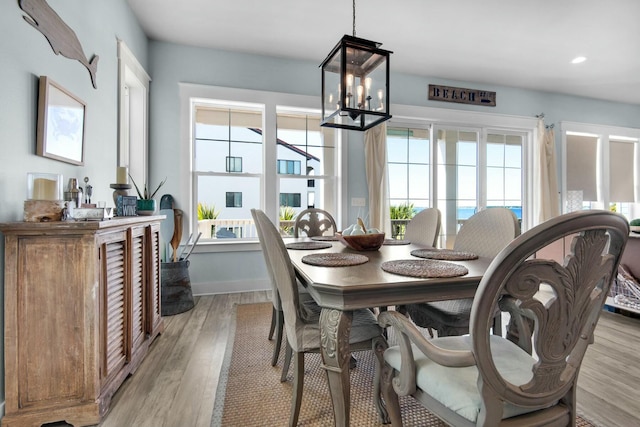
(520, 43)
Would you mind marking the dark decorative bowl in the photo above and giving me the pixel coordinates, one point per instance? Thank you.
(362, 242)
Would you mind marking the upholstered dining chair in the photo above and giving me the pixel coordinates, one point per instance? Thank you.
(277, 316)
(314, 222)
(483, 379)
(301, 318)
(485, 234)
(424, 227)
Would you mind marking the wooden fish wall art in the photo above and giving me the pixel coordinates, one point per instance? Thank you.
(61, 37)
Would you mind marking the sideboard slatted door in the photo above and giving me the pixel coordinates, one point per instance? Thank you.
(114, 300)
(154, 312)
(137, 268)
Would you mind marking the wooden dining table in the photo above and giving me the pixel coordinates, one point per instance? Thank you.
(341, 289)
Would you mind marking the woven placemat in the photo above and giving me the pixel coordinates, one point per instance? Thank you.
(444, 254)
(424, 268)
(308, 245)
(325, 238)
(395, 242)
(334, 259)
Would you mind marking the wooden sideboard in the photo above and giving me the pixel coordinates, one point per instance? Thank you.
(82, 306)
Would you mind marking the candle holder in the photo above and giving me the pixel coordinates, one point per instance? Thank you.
(119, 190)
(44, 186)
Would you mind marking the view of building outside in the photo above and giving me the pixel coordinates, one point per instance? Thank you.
(307, 162)
(228, 163)
(228, 159)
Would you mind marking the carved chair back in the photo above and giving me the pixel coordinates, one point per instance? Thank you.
(482, 379)
(314, 222)
(564, 312)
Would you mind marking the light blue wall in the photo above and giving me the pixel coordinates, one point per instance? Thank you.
(171, 64)
(26, 55)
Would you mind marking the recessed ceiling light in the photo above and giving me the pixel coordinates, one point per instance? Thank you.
(578, 59)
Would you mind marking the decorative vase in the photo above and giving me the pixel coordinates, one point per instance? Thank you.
(146, 206)
(206, 227)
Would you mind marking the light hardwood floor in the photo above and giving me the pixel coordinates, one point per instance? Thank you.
(175, 385)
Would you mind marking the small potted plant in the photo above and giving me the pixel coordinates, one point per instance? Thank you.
(206, 215)
(146, 204)
(287, 217)
(634, 225)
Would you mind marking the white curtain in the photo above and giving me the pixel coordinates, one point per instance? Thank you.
(546, 187)
(375, 155)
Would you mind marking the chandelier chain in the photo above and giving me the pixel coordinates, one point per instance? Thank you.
(354, 18)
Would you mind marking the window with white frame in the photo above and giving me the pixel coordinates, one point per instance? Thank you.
(409, 163)
(223, 183)
(304, 146)
(260, 154)
(472, 169)
(600, 168)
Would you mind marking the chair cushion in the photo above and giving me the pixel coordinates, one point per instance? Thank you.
(456, 388)
(454, 313)
(364, 327)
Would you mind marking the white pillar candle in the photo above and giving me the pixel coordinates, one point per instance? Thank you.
(122, 176)
(45, 189)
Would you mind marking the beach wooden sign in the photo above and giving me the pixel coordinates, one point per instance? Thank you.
(462, 95)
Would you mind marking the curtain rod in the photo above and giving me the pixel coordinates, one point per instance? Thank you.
(541, 116)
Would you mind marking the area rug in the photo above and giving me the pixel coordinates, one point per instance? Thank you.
(250, 392)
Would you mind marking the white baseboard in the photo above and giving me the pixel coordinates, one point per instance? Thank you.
(229, 287)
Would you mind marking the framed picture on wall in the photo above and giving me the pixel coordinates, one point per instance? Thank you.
(61, 121)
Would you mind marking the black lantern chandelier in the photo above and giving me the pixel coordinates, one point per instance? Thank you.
(355, 83)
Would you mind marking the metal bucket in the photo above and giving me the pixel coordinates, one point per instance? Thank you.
(176, 294)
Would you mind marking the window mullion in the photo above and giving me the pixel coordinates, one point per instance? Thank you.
(271, 183)
(481, 173)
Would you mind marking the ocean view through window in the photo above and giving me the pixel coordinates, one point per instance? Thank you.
(461, 172)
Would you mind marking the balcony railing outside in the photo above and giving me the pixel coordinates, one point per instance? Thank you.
(246, 229)
(237, 228)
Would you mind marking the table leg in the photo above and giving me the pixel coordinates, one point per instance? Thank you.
(335, 326)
